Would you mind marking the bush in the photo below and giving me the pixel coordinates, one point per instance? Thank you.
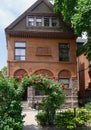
(10, 105)
(41, 118)
(70, 120)
(88, 106)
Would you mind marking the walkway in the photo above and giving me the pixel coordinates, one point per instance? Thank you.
(30, 122)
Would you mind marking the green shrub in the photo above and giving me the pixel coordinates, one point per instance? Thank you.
(10, 105)
(70, 120)
(88, 106)
(41, 118)
(65, 119)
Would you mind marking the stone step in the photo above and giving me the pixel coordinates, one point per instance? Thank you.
(25, 105)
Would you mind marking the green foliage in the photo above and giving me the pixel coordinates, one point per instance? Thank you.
(70, 121)
(4, 71)
(66, 8)
(41, 118)
(65, 119)
(81, 20)
(10, 105)
(88, 106)
(54, 94)
(77, 14)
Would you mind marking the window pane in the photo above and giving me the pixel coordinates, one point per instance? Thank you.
(64, 52)
(65, 82)
(54, 22)
(31, 21)
(19, 51)
(46, 21)
(39, 93)
(20, 44)
(19, 57)
(39, 22)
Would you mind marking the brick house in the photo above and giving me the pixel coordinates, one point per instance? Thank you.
(40, 41)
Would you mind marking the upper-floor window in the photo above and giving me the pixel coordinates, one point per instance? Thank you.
(39, 21)
(42, 21)
(46, 21)
(31, 21)
(64, 52)
(54, 22)
(20, 51)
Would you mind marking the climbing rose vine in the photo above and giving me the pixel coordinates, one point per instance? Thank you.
(53, 90)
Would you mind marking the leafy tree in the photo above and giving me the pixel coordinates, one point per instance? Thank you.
(77, 13)
(4, 71)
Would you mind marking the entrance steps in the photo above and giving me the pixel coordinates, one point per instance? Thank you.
(25, 106)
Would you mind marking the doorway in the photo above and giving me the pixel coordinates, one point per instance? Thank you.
(24, 97)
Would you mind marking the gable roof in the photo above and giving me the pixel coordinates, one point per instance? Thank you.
(29, 32)
(29, 11)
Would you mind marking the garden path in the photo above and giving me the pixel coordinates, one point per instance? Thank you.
(30, 122)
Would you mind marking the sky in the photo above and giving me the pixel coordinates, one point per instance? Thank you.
(9, 11)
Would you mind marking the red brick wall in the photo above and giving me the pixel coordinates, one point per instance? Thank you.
(83, 74)
(35, 62)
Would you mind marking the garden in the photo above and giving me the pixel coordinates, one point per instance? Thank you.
(49, 116)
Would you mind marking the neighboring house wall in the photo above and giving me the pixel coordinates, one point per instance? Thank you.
(84, 80)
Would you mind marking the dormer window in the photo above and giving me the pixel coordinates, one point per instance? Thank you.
(31, 21)
(38, 22)
(54, 22)
(46, 21)
(41, 21)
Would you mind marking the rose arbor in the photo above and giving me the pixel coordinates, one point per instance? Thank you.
(52, 89)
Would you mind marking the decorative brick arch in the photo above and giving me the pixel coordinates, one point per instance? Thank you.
(64, 74)
(44, 72)
(19, 72)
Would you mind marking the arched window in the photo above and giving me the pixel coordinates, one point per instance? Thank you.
(19, 72)
(64, 76)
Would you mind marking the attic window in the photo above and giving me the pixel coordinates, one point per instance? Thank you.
(54, 22)
(46, 21)
(31, 21)
(38, 22)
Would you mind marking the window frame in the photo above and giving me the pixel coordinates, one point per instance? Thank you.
(19, 48)
(66, 85)
(57, 21)
(28, 22)
(67, 49)
(37, 22)
(50, 19)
